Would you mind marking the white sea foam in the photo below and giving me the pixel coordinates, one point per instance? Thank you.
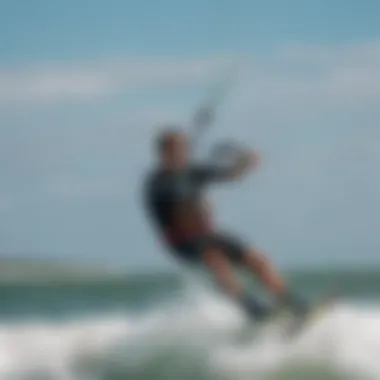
(202, 329)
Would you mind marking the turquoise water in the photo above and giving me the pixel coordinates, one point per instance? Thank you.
(165, 326)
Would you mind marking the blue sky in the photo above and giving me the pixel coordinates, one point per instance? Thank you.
(83, 86)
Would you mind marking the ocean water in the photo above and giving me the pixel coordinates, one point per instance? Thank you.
(153, 327)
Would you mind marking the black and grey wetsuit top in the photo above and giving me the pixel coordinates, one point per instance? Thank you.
(165, 190)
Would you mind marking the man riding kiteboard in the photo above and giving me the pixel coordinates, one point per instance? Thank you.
(174, 197)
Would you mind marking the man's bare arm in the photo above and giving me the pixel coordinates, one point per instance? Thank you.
(241, 164)
(245, 162)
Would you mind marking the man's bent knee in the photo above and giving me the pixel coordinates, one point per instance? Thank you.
(214, 257)
(255, 260)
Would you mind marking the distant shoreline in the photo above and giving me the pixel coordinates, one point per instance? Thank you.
(40, 271)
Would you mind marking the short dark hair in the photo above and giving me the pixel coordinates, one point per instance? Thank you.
(164, 136)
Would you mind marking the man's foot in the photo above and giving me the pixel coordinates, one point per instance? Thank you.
(253, 308)
(295, 304)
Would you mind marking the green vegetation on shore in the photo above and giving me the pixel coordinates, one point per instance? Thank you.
(24, 270)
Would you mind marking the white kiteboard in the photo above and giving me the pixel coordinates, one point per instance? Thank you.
(292, 325)
(285, 325)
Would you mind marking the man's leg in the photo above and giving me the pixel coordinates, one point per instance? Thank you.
(261, 267)
(220, 266)
(237, 253)
(225, 252)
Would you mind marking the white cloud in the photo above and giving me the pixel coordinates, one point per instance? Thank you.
(292, 75)
(317, 76)
(92, 79)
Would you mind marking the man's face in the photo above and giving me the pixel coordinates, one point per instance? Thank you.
(176, 150)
